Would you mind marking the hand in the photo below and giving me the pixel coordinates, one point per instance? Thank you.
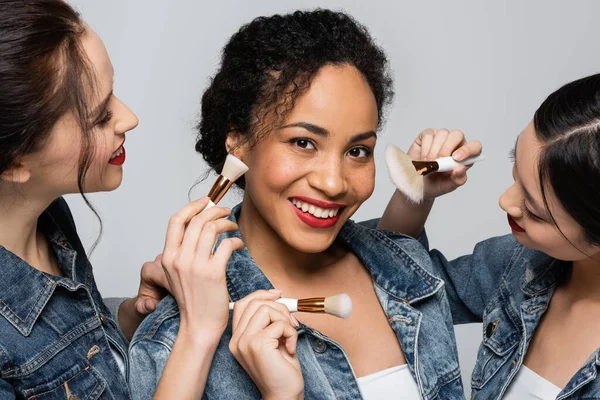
(432, 144)
(264, 343)
(153, 286)
(195, 275)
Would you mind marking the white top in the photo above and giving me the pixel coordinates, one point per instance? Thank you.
(118, 359)
(392, 383)
(528, 385)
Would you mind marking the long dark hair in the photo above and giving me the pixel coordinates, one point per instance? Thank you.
(44, 73)
(568, 124)
(272, 60)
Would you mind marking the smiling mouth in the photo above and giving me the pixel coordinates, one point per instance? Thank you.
(514, 226)
(316, 213)
(118, 157)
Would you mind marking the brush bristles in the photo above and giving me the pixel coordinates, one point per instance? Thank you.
(339, 305)
(233, 168)
(403, 174)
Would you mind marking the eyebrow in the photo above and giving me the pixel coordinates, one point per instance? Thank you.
(318, 130)
(102, 105)
(528, 196)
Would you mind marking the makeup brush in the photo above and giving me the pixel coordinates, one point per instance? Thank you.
(408, 175)
(339, 305)
(232, 170)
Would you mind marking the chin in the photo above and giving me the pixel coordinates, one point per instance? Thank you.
(312, 244)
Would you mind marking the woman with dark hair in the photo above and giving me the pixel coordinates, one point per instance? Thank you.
(536, 291)
(62, 131)
(299, 98)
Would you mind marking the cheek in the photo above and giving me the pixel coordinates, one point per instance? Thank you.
(362, 180)
(272, 169)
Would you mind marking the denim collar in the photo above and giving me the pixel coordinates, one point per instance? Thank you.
(542, 272)
(394, 261)
(24, 291)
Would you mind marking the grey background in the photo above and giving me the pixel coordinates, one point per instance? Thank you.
(480, 66)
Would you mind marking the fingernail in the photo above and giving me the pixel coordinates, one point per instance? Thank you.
(458, 155)
(296, 323)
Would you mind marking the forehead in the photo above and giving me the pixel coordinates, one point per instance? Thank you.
(99, 61)
(338, 97)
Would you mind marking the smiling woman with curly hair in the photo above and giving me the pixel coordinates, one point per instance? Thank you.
(300, 98)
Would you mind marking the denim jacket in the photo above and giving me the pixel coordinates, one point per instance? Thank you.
(412, 298)
(56, 333)
(508, 287)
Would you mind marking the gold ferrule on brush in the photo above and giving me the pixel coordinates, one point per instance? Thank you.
(312, 305)
(219, 189)
(425, 168)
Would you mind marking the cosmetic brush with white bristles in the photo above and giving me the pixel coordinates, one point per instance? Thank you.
(408, 175)
(339, 305)
(233, 169)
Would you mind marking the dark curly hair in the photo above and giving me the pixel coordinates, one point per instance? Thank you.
(269, 62)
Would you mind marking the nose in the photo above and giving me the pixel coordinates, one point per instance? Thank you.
(510, 201)
(127, 119)
(329, 177)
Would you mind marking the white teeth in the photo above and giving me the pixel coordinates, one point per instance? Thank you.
(316, 211)
(117, 153)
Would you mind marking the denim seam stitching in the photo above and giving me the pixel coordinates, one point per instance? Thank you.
(423, 273)
(34, 304)
(50, 351)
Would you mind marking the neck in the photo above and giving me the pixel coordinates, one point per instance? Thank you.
(19, 216)
(584, 281)
(280, 262)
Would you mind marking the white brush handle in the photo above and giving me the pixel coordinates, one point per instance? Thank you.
(209, 205)
(291, 304)
(448, 164)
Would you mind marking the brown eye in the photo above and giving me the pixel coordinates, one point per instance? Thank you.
(360, 152)
(303, 143)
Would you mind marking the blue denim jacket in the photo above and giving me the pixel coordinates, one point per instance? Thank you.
(412, 298)
(508, 287)
(55, 333)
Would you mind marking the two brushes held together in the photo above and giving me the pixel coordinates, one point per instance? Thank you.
(408, 175)
(339, 305)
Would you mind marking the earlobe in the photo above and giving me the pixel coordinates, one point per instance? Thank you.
(16, 174)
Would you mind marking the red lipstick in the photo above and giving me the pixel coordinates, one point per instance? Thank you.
(515, 227)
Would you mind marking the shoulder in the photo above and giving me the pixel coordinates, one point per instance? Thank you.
(161, 325)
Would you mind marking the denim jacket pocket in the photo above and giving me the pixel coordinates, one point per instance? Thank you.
(500, 337)
(80, 382)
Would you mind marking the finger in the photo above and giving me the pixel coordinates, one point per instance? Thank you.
(198, 224)
(471, 149)
(438, 140)
(206, 242)
(240, 305)
(426, 138)
(225, 249)
(282, 330)
(459, 175)
(145, 305)
(178, 222)
(264, 316)
(454, 140)
(258, 306)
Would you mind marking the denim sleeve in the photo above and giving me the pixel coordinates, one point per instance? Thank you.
(147, 359)
(473, 279)
(6, 391)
